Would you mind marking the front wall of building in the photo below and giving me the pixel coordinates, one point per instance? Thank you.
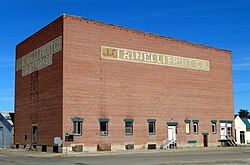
(38, 95)
(239, 126)
(95, 88)
(248, 136)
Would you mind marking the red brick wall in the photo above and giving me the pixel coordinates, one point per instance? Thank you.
(81, 84)
(97, 88)
(45, 109)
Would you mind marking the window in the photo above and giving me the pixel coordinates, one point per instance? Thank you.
(195, 127)
(151, 128)
(77, 125)
(129, 128)
(104, 126)
(214, 128)
(188, 128)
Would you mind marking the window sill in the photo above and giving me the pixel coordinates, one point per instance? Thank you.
(103, 135)
(151, 134)
(128, 134)
(77, 134)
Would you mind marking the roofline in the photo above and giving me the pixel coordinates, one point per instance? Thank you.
(40, 30)
(7, 112)
(148, 33)
(130, 29)
(247, 124)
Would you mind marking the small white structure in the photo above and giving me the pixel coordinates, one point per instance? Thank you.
(6, 129)
(242, 130)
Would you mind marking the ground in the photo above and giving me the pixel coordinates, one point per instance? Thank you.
(231, 156)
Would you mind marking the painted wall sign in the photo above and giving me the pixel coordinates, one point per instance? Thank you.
(39, 58)
(153, 58)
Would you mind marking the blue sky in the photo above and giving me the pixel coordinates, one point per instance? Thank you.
(219, 23)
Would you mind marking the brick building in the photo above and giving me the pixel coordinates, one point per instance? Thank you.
(104, 86)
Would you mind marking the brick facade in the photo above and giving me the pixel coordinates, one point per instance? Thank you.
(80, 84)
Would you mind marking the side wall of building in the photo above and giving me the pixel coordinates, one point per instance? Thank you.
(96, 88)
(38, 95)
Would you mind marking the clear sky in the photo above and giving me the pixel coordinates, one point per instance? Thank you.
(219, 23)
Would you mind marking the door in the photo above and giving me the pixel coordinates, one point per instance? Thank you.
(223, 131)
(34, 134)
(205, 140)
(170, 133)
(229, 129)
(242, 137)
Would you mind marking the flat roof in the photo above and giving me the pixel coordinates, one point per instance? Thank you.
(130, 29)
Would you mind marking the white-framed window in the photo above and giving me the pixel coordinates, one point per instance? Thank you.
(188, 128)
(77, 127)
(214, 128)
(195, 127)
(129, 128)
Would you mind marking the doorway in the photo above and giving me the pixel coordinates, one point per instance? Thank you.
(34, 134)
(223, 132)
(205, 140)
(170, 134)
(242, 137)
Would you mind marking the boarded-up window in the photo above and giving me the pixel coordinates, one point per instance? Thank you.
(187, 128)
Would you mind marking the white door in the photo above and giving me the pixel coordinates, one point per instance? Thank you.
(223, 131)
(170, 133)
